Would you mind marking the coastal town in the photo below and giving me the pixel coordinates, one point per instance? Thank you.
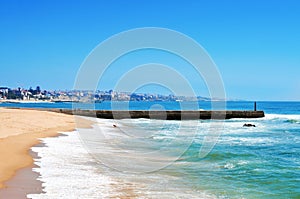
(38, 95)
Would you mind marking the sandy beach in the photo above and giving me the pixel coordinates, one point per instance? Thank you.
(20, 129)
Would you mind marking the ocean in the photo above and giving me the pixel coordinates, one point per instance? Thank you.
(145, 158)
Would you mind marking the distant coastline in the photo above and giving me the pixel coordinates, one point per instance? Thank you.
(24, 101)
(20, 95)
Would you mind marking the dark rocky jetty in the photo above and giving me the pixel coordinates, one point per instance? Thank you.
(164, 115)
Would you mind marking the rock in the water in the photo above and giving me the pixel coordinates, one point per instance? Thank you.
(248, 125)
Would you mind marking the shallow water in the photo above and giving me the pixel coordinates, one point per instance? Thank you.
(160, 159)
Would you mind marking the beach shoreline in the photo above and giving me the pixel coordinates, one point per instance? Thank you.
(20, 130)
(25, 181)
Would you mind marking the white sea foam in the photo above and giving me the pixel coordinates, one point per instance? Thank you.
(260, 141)
(281, 116)
(66, 170)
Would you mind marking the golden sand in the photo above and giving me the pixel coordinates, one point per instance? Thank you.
(20, 129)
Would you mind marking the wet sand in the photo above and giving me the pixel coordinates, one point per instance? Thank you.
(25, 181)
(20, 129)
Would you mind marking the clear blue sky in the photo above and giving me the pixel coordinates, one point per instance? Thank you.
(255, 44)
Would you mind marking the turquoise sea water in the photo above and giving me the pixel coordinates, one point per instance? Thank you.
(260, 162)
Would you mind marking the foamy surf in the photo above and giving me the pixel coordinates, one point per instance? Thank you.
(281, 116)
(66, 170)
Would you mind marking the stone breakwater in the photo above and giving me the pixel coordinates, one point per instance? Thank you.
(164, 115)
